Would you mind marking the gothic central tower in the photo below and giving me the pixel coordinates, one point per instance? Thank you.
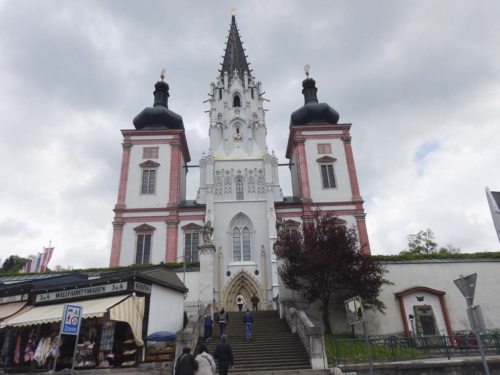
(239, 182)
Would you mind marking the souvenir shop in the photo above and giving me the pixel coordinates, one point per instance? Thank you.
(116, 310)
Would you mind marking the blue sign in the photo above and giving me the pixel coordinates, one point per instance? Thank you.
(71, 319)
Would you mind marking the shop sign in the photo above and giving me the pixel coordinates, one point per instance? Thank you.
(71, 319)
(81, 292)
(17, 298)
(145, 288)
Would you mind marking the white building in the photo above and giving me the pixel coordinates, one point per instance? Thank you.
(239, 192)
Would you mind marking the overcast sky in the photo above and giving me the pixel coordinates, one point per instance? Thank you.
(418, 80)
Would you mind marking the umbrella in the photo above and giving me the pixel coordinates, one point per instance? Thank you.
(161, 336)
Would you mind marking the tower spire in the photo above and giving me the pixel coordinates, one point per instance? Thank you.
(234, 57)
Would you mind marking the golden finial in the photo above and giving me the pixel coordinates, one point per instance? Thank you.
(306, 69)
(233, 12)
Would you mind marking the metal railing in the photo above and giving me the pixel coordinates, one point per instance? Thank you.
(397, 348)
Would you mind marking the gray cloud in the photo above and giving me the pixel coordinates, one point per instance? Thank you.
(405, 75)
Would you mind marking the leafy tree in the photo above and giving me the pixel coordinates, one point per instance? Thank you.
(424, 242)
(323, 262)
(13, 264)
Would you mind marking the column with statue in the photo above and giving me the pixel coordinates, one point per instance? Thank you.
(206, 256)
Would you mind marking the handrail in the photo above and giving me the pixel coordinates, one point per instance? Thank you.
(311, 335)
(188, 337)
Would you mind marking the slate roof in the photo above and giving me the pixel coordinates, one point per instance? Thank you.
(496, 197)
(234, 57)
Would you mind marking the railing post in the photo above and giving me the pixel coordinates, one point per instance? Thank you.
(446, 347)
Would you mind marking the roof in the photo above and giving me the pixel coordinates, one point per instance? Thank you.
(496, 197)
(234, 57)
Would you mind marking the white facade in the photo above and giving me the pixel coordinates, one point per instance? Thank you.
(164, 310)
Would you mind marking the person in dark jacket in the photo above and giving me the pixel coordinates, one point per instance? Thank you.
(224, 355)
(248, 321)
(222, 319)
(186, 365)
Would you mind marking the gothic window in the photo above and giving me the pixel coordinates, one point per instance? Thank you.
(251, 92)
(150, 152)
(148, 179)
(191, 242)
(239, 189)
(241, 238)
(236, 101)
(220, 94)
(144, 234)
(326, 164)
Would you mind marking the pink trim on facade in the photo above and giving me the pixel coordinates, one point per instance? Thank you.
(363, 234)
(303, 176)
(116, 244)
(175, 174)
(122, 187)
(353, 179)
(172, 233)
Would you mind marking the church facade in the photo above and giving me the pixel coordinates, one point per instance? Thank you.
(239, 196)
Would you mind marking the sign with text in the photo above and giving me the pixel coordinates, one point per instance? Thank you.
(141, 287)
(354, 309)
(81, 292)
(72, 316)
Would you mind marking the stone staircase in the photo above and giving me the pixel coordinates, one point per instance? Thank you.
(274, 349)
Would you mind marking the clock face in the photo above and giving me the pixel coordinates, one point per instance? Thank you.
(237, 137)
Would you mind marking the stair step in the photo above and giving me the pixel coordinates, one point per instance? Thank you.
(274, 349)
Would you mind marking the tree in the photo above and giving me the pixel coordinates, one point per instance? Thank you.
(323, 262)
(13, 264)
(423, 242)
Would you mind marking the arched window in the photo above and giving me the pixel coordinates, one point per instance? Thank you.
(241, 245)
(236, 101)
(241, 230)
(239, 190)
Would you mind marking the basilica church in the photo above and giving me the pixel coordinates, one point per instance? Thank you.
(239, 193)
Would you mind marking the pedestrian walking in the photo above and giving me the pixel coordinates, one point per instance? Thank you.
(255, 302)
(224, 355)
(186, 364)
(248, 322)
(222, 320)
(206, 363)
(207, 325)
(240, 301)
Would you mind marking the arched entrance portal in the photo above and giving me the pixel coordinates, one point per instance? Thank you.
(245, 284)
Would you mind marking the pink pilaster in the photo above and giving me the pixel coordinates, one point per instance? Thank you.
(175, 178)
(351, 168)
(116, 244)
(363, 233)
(122, 188)
(304, 191)
(171, 250)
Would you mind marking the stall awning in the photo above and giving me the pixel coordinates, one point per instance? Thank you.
(131, 311)
(53, 313)
(10, 309)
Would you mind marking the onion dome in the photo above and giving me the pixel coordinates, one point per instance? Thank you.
(159, 116)
(313, 112)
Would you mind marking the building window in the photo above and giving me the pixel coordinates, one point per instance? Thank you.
(148, 181)
(191, 242)
(236, 101)
(220, 94)
(327, 176)
(251, 92)
(143, 249)
(239, 189)
(241, 244)
(150, 153)
(324, 148)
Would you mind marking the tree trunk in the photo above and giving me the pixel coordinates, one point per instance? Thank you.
(326, 317)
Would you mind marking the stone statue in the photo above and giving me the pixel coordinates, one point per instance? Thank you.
(208, 231)
(280, 225)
